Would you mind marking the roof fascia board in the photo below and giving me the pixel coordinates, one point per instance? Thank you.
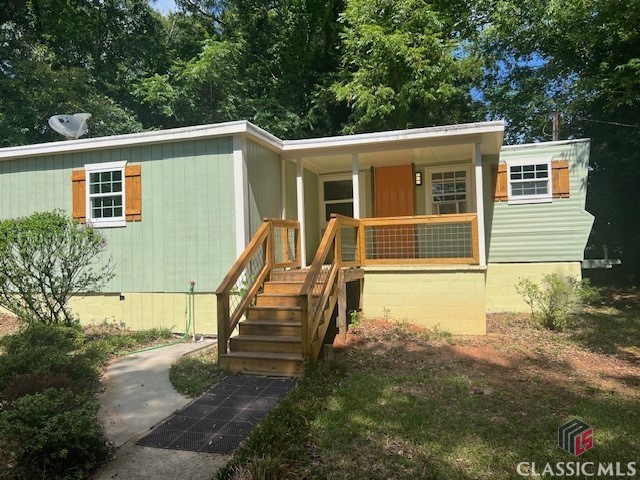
(398, 144)
(544, 144)
(419, 134)
(145, 138)
(430, 136)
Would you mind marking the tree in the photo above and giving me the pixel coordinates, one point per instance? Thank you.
(45, 259)
(267, 62)
(65, 57)
(403, 65)
(581, 57)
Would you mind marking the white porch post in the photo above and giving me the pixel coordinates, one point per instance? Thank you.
(240, 194)
(355, 179)
(283, 189)
(300, 198)
(477, 161)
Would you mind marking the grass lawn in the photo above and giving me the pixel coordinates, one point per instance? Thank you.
(107, 340)
(195, 373)
(402, 403)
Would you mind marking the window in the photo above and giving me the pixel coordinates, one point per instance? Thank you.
(337, 196)
(106, 194)
(529, 180)
(449, 191)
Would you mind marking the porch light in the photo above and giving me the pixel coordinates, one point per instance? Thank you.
(418, 178)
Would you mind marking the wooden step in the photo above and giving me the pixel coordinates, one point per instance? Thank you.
(289, 275)
(282, 287)
(262, 363)
(265, 327)
(274, 314)
(265, 343)
(278, 300)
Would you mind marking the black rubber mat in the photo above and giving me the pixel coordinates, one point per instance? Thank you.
(222, 417)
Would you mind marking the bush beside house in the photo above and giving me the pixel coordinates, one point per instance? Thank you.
(48, 376)
(48, 424)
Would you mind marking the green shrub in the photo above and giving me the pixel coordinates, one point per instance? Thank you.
(587, 293)
(45, 350)
(45, 259)
(551, 300)
(53, 434)
(32, 383)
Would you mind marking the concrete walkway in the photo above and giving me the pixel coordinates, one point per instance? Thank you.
(137, 395)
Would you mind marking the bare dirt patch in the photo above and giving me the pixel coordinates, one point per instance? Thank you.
(513, 349)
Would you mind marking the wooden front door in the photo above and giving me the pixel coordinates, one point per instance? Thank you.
(394, 196)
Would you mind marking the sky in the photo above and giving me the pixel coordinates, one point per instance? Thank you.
(163, 6)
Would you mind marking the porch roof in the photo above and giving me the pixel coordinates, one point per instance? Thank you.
(421, 145)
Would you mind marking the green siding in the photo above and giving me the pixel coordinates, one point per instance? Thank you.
(421, 192)
(366, 192)
(555, 231)
(265, 184)
(312, 213)
(291, 200)
(187, 229)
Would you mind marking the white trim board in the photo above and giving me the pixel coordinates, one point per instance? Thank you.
(287, 148)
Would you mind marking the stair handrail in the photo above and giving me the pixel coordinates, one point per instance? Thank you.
(312, 308)
(263, 238)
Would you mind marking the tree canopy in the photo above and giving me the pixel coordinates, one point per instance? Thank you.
(304, 68)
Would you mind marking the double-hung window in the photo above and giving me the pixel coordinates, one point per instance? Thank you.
(529, 180)
(449, 191)
(106, 194)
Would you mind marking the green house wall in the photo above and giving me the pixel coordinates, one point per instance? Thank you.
(187, 229)
(265, 184)
(542, 232)
(312, 214)
(291, 203)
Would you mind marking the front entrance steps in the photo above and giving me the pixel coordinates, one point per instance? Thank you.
(270, 337)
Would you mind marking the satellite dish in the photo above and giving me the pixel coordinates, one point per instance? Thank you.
(71, 126)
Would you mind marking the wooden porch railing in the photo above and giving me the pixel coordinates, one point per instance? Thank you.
(338, 248)
(376, 241)
(419, 240)
(275, 245)
(347, 243)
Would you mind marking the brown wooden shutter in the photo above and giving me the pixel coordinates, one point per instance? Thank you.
(79, 196)
(133, 187)
(499, 182)
(560, 178)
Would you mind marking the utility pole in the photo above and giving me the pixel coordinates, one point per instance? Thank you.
(556, 126)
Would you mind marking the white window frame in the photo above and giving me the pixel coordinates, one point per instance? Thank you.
(323, 203)
(98, 168)
(536, 198)
(469, 187)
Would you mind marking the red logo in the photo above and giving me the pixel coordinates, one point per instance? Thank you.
(575, 437)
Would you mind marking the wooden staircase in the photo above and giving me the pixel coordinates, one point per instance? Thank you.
(282, 312)
(269, 341)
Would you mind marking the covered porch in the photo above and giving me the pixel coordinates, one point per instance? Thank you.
(404, 209)
(418, 195)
